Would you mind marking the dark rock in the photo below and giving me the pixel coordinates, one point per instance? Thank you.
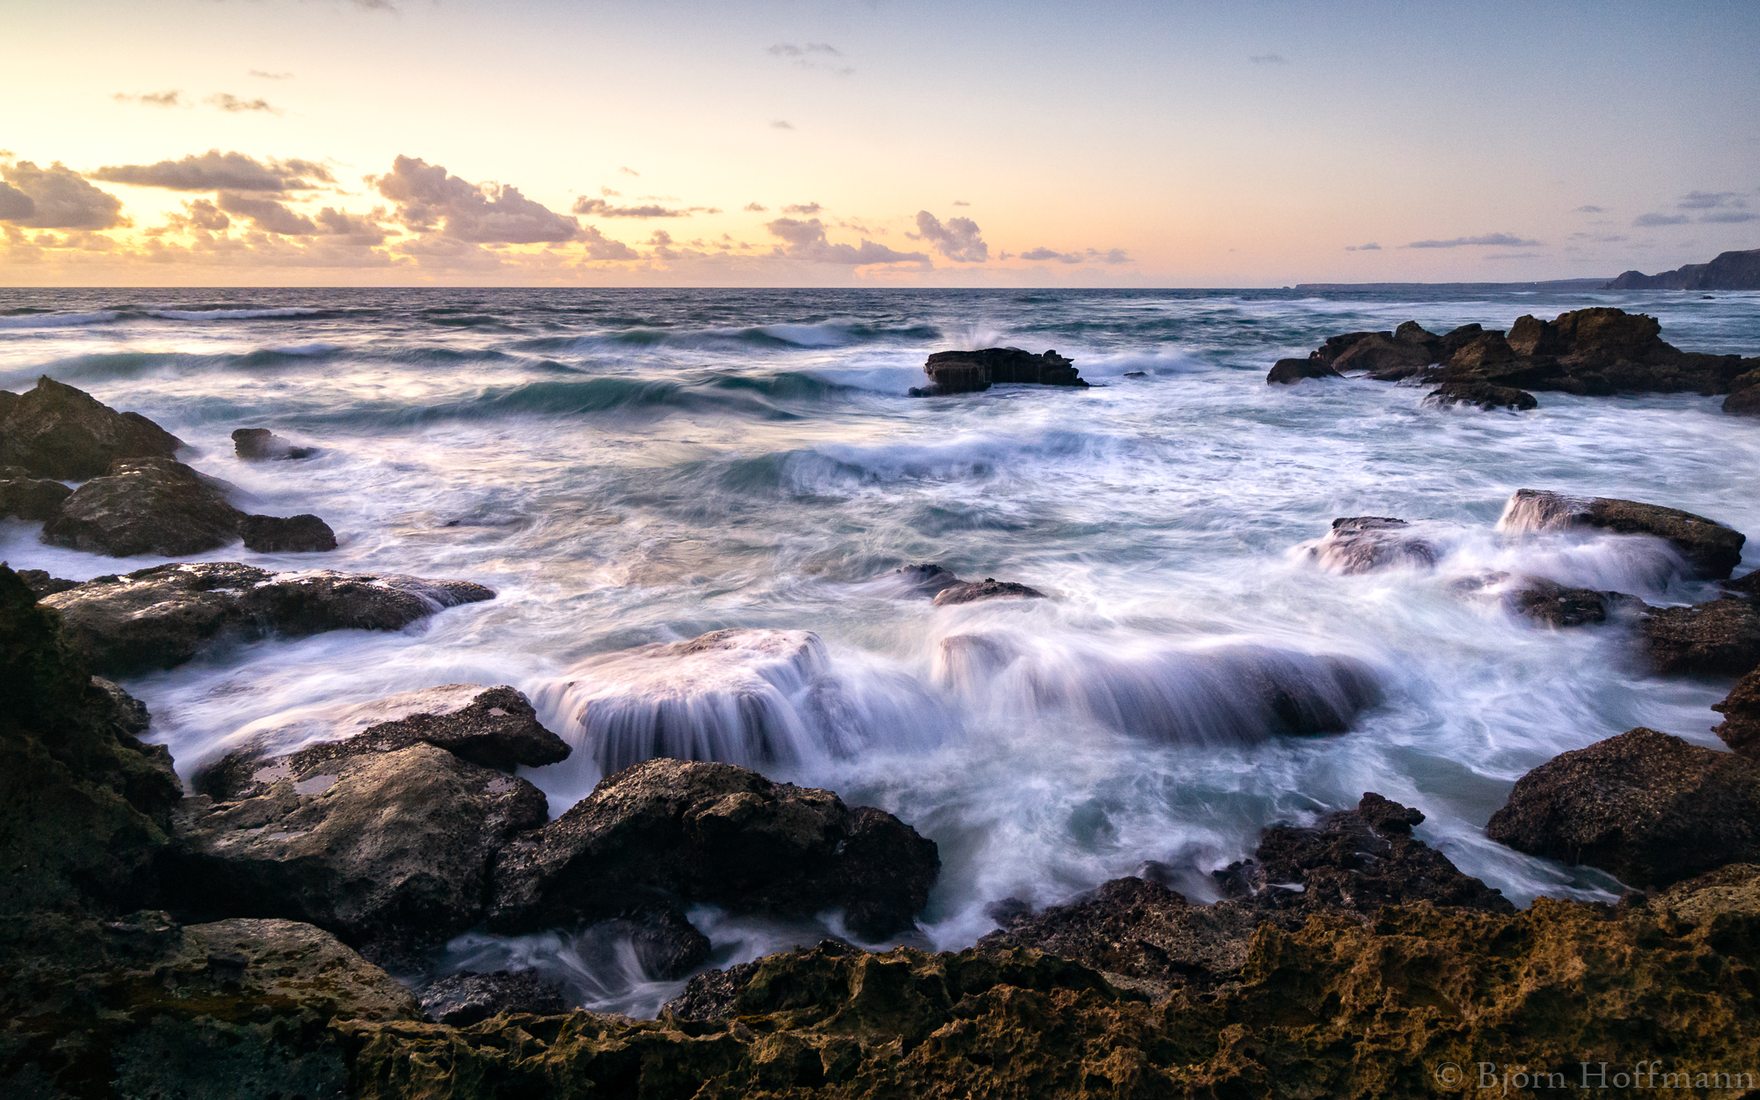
(926, 578)
(667, 833)
(1557, 605)
(1712, 549)
(495, 727)
(1645, 806)
(1744, 394)
(1486, 348)
(304, 533)
(1288, 371)
(389, 850)
(163, 616)
(987, 589)
(1740, 728)
(971, 371)
(1745, 585)
(1455, 339)
(1411, 332)
(1485, 395)
(42, 584)
(1384, 357)
(1717, 638)
(1729, 271)
(56, 431)
(460, 1000)
(1362, 544)
(145, 506)
(25, 497)
(261, 444)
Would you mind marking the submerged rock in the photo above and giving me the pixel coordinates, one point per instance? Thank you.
(669, 833)
(23, 496)
(987, 589)
(1484, 395)
(926, 578)
(1712, 549)
(261, 445)
(1290, 371)
(1718, 638)
(301, 534)
(145, 506)
(1740, 728)
(1364, 544)
(56, 431)
(460, 1000)
(1562, 606)
(163, 616)
(971, 371)
(1644, 806)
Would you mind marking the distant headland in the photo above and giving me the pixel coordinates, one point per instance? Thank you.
(1729, 271)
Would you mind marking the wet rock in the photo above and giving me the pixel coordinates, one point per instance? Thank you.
(145, 506)
(1484, 395)
(1288, 371)
(1364, 544)
(389, 850)
(42, 584)
(262, 445)
(971, 371)
(1384, 357)
(926, 578)
(460, 1000)
(987, 589)
(304, 533)
(1744, 398)
(495, 727)
(1712, 549)
(1745, 585)
(1561, 606)
(668, 833)
(1718, 638)
(163, 616)
(1644, 806)
(1740, 728)
(25, 497)
(56, 431)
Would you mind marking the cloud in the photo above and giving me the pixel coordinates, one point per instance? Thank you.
(781, 124)
(756, 208)
(1502, 240)
(217, 171)
(812, 55)
(1091, 255)
(1711, 200)
(1591, 208)
(1370, 247)
(171, 97)
(806, 241)
(427, 196)
(961, 202)
(262, 75)
(1648, 221)
(57, 198)
(1268, 59)
(1729, 217)
(601, 247)
(958, 240)
(226, 101)
(601, 209)
(268, 214)
(628, 171)
(804, 209)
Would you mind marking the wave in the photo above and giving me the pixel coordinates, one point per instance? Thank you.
(33, 318)
(809, 336)
(58, 320)
(225, 313)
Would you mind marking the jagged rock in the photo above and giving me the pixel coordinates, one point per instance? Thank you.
(1484, 395)
(163, 616)
(460, 1000)
(1718, 638)
(666, 833)
(145, 506)
(987, 589)
(1384, 357)
(389, 850)
(1363, 544)
(42, 584)
(261, 444)
(1712, 549)
(23, 496)
(1645, 806)
(1288, 371)
(1559, 605)
(304, 533)
(56, 431)
(1740, 728)
(971, 371)
(495, 727)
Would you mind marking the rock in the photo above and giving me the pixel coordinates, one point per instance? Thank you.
(1561, 606)
(1745, 585)
(460, 1000)
(668, 833)
(56, 431)
(971, 371)
(1485, 395)
(495, 727)
(1411, 332)
(261, 444)
(1740, 728)
(1484, 349)
(1363, 544)
(1384, 357)
(145, 506)
(1729, 271)
(1289, 371)
(303, 533)
(163, 616)
(42, 584)
(389, 850)
(1718, 638)
(926, 578)
(25, 497)
(1712, 549)
(987, 589)
(1744, 398)
(1644, 806)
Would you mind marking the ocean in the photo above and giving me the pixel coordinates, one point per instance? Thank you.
(638, 466)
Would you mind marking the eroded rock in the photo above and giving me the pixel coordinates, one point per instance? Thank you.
(145, 506)
(56, 431)
(1717, 638)
(461, 1000)
(1740, 728)
(1712, 549)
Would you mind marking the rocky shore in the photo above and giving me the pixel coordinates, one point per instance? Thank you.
(240, 937)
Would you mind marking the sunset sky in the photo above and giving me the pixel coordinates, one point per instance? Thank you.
(886, 142)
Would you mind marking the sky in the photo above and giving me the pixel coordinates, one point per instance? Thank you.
(871, 142)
